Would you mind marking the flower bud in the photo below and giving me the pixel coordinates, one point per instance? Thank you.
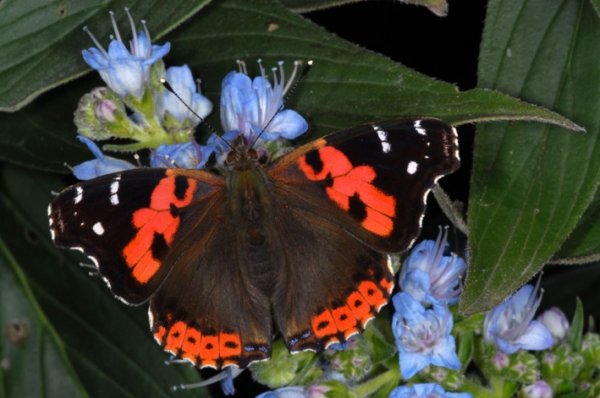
(590, 349)
(556, 322)
(561, 364)
(523, 368)
(354, 361)
(281, 369)
(329, 389)
(539, 389)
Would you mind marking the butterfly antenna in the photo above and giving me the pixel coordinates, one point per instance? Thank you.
(286, 98)
(168, 87)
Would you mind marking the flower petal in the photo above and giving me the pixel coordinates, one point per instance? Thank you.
(536, 337)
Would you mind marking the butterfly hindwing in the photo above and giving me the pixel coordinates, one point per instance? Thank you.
(331, 286)
(210, 310)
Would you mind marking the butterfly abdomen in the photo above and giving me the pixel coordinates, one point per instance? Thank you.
(251, 203)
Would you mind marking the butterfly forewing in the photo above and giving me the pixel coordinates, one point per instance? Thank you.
(373, 179)
(125, 223)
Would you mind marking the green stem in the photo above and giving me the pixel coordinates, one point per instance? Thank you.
(371, 386)
(477, 390)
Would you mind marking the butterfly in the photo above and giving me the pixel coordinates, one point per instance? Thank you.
(300, 245)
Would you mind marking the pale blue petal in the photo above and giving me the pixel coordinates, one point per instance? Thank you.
(235, 94)
(157, 53)
(423, 390)
(227, 383)
(536, 337)
(95, 58)
(445, 354)
(507, 347)
(202, 106)
(99, 167)
(117, 50)
(407, 306)
(91, 146)
(411, 363)
(288, 124)
(285, 392)
(144, 48)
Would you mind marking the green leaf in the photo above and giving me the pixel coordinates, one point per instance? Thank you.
(576, 330)
(438, 7)
(583, 244)
(109, 344)
(34, 361)
(531, 183)
(42, 41)
(581, 394)
(346, 86)
(596, 5)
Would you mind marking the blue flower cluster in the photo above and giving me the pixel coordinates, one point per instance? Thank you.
(423, 334)
(252, 107)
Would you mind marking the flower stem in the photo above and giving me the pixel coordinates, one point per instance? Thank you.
(478, 391)
(371, 386)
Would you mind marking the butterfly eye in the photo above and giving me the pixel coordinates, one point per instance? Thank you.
(231, 157)
(252, 154)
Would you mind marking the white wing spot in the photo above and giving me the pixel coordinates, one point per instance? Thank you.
(412, 167)
(114, 189)
(98, 228)
(79, 195)
(385, 145)
(418, 127)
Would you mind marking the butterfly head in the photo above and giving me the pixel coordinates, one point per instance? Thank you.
(242, 155)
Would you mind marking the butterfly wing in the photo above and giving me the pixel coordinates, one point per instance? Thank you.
(125, 222)
(373, 179)
(362, 193)
(330, 285)
(164, 235)
(209, 310)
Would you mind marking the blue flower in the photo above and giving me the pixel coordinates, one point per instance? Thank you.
(429, 390)
(249, 107)
(181, 80)
(422, 336)
(556, 322)
(510, 326)
(429, 276)
(122, 70)
(286, 392)
(101, 165)
(184, 155)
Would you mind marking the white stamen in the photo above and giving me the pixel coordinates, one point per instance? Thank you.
(114, 23)
(96, 42)
(135, 45)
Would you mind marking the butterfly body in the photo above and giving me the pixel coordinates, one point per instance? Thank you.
(302, 244)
